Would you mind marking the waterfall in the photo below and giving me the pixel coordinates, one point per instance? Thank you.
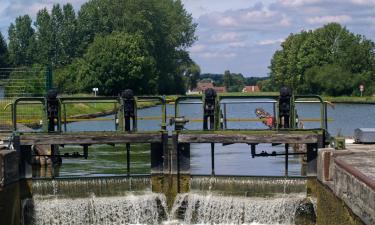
(251, 186)
(121, 200)
(84, 187)
(147, 208)
(214, 209)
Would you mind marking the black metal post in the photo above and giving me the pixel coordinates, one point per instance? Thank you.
(128, 102)
(52, 116)
(209, 108)
(312, 154)
(285, 107)
(286, 159)
(225, 116)
(128, 159)
(85, 151)
(52, 109)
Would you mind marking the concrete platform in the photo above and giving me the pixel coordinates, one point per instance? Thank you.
(350, 174)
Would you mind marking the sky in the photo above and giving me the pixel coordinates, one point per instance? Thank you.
(240, 35)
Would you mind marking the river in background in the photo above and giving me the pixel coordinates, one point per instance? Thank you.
(229, 160)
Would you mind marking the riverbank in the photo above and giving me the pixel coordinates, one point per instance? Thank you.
(33, 113)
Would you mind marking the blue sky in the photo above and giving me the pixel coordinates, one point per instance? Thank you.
(240, 35)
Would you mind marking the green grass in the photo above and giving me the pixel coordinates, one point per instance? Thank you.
(32, 113)
(350, 99)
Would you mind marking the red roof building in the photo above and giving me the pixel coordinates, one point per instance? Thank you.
(250, 89)
(204, 85)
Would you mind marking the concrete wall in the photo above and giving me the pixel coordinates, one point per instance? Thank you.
(346, 184)
(357, 195)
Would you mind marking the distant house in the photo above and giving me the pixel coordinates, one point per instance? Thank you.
(204, 85)
(250, 89)
(220, 89)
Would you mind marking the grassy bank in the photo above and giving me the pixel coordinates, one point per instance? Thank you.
(32, 113)
(353, 100)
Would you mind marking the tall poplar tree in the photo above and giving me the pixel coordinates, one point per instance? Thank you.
(21, 41)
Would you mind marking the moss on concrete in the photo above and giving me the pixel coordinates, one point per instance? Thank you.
(169, 186)
(332, 210)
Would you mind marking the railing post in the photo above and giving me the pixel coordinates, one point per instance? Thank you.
(53, 116)
(129, 113)
(129, 110)
(52, 109)
(209, 112)
(285, 108)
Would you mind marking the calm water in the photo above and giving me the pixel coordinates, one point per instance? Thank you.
(229, 160)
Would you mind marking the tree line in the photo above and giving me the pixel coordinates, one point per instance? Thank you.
(330, 60)
(109, 44)
(234, 82)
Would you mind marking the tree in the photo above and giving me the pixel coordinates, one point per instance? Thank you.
(21, 41)
(3, 52)
(306, 60)
(193, 72)
(69, 39)
(227, 79)
(44, 39)
(57, 46)
(114, 63)
(165, 24)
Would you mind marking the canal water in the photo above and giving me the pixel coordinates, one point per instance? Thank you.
(232, 159)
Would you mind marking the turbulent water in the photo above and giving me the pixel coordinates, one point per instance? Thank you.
(116, 201)
(254, 186)
(88, 186)
(151, 208)
(131, 209)
(211, 209)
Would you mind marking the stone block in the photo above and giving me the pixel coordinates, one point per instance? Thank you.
(8, 167)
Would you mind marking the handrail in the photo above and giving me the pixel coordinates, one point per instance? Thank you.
(14, 107)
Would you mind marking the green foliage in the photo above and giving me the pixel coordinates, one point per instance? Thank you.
(62, 40)
(113, 63)
(3, 52)
(329, 60)
(233, 82)
(26, 81)
(192, 73)
(252, 81)
(265, 85)
(56, 40)
(167, 26)
(217, 78)
(21, 41)
(330, 79)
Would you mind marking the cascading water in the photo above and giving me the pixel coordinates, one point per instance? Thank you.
(118, 201)
(87, 186)
(250, 186)
(195, 208)
(148, 208)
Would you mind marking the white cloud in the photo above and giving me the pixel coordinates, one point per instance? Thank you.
(226, 37)
(227, 21)
(329, 19)
(237, 44)
(296, 3)
(218, 54)
(363, 2)
(270, 42)
(198, 48)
